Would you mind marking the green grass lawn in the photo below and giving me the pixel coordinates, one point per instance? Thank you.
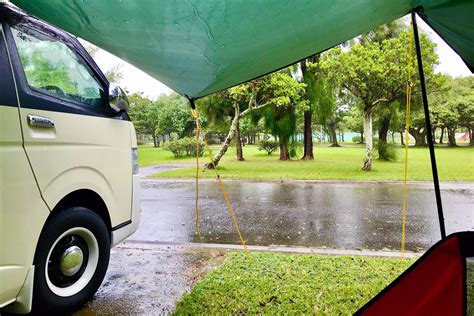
(282, 284)
(344, 163)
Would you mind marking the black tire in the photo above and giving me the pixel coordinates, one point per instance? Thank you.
(49, 278)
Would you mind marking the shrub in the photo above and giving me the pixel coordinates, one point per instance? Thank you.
(356, 139)
(175, 147)
(386, 151)
(184, 147)
(189, 144)
(268, 145)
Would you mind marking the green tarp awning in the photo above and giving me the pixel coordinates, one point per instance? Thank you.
(198, 47)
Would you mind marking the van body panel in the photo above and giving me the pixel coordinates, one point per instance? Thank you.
(21, 206)
(19, 229)
(84, 152)
(11, 278)
(120, 234)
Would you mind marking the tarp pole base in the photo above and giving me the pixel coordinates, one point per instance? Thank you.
(429, 133)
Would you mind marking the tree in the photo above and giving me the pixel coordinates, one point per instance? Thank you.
(376, 74)
(320, 106)
(464, 103)
(379, 34)
(308, 129)
(277, 90)
(167, 114)
(142, 112)
(353, 120)
(453, 107)
(284, 96)
(333, 123)
(417, 122)
(386, 117)
(113, 74)
(173, 115)
(311, 76)
(220, 110)
(250, 128)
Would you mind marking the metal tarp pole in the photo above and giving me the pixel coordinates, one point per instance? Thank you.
(429, 134)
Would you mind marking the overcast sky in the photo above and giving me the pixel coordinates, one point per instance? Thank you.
(135, 80)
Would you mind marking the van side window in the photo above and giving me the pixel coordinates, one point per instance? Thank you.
(51, 66)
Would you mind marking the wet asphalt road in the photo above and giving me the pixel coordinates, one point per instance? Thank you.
(146, 279)
(344, 215)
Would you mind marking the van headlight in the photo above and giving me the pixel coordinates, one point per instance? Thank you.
(135, 161)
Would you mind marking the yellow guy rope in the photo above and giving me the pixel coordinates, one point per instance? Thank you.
(219, 180)
(196, 118)
(407, 127)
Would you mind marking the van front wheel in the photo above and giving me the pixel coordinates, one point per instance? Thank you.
(71, 260)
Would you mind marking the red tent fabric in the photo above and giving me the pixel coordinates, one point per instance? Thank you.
(434, 285)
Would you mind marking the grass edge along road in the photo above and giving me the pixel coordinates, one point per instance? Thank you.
(273, 283)
(344, 163)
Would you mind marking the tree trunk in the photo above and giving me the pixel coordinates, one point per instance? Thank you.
(451, 136)
(471, 134)
(155, 144)
(238, 143)
(228, 139)
(402, 139)
(308, 136)
(332, 129)
(393, 137)
(383, 132)
(433, 134)
(420, 136)
(442, 135)
(361, 137)
(284, 153)
(368, 141)
(342, 136)
(308, 129)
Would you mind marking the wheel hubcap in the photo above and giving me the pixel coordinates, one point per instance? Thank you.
(71, 261)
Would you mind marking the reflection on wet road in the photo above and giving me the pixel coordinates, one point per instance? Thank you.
(312, 214)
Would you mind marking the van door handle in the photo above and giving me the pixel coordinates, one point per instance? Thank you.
(39, 121)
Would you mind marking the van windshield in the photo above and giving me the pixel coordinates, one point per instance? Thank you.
(51, 66)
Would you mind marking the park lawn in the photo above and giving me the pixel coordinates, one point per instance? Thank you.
(148, 155)
(272, 283)
(344, 163)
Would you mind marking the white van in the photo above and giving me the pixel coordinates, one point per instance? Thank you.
(69, 183)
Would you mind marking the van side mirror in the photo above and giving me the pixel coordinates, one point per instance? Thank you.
(118, 99)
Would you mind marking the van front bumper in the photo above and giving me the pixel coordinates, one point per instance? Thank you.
(118, 235)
